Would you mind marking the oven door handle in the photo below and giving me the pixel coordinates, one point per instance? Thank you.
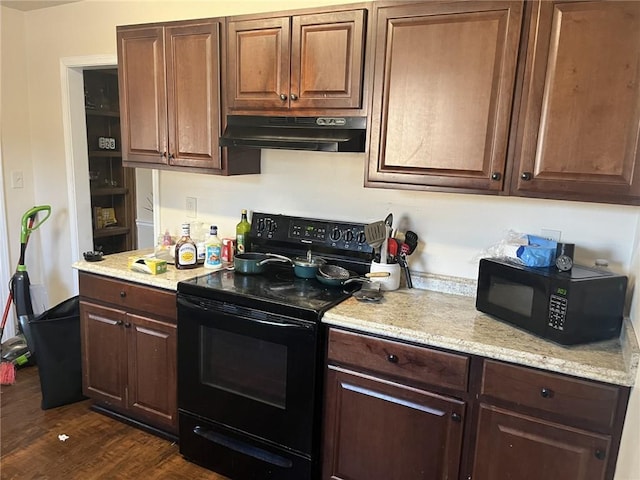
(189, 304)
(242, 447)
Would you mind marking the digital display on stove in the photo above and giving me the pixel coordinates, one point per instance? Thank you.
(301, 230)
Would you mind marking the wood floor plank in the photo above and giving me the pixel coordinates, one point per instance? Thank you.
(98, 446)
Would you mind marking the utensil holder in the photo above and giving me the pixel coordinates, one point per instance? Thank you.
(392, 282)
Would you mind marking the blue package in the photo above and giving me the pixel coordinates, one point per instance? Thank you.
(541, 252)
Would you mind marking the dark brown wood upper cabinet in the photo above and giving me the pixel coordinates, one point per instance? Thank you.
(169, 78)
(579, 121)
(307, 62)
(442, 94)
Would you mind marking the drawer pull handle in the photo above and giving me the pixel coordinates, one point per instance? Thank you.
(392, 358)
(600, 454)
(123, 293)
(546, 393)
(456, 417)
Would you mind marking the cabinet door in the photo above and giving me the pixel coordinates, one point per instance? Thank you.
(376, 429)
(193, 94)
(580, 113)
(511, 445)
(142, 88)
(327, 60)
(104, 354)
(442, 94)
(258, 63)
(152, 351)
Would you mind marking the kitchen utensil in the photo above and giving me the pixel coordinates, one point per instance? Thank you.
(411, 238)
(392, 248)
(375, 234)
(404, 251)
(335, 276)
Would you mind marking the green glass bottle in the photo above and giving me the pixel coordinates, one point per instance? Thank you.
(242, 233)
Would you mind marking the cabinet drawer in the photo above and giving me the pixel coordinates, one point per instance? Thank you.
(407, 362)
(580, 399)
(128, 295)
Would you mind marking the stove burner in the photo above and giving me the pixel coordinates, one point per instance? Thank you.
(295, 289)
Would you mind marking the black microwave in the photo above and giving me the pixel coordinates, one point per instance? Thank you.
(577, 306)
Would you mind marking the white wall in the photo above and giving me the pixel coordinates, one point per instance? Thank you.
(454, 228)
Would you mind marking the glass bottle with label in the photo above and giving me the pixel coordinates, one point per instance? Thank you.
(213, 250)
(242, 232)
(186, 251)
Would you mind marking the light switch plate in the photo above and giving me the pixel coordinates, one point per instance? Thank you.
(17, 179)
(191, 206)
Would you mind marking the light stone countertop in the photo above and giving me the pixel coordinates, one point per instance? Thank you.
(449, 321)
(438, 319)
(115, 265)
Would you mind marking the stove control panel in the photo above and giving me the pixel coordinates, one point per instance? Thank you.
(309, 231)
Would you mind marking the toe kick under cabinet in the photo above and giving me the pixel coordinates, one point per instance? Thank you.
(397, 411)
(129, 351)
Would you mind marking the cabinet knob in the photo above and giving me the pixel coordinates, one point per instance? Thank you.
(496, 176)
(171, 157)
(294, 97)
(119, 322)
(600, 454)
(283, 97)
(127, 325)
(456, 417)
(546, 393)
(526, 176)
(392, 358)
(123, 294)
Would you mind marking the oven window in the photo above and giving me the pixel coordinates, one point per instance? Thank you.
(510, 295)
(244, 365)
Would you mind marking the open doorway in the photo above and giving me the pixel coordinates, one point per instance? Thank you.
(77, 161)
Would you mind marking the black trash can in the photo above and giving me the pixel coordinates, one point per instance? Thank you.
(55, 335)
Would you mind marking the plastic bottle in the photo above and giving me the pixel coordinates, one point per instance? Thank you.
(213, 250)
(242, 232)
(186, 251)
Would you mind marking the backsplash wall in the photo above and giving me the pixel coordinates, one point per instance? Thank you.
(454, 228)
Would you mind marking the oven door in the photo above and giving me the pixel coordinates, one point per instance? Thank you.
(248, 370)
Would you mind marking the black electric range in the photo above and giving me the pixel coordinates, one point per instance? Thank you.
(277, 289)
(251, 350)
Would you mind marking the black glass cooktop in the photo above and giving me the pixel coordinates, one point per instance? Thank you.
(276, 290)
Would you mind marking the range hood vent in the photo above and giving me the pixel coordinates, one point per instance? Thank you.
(327, 134)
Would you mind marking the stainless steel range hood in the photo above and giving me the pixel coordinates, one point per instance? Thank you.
(327, 134)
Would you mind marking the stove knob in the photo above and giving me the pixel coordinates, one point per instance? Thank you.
(260, 226)
(272, 226)
(348, 236)
(361, 237)
(335, 234)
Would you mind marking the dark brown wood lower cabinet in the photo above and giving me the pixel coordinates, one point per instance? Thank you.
(129, 350)
(377, 429)
(514, 446)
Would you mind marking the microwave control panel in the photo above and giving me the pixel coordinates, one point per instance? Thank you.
(557, 312)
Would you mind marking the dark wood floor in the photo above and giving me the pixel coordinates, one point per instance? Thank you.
(98, 447)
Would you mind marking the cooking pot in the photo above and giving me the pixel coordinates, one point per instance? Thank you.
(302, 267)
(253, 263)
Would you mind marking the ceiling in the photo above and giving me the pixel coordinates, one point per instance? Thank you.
(26, 5)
